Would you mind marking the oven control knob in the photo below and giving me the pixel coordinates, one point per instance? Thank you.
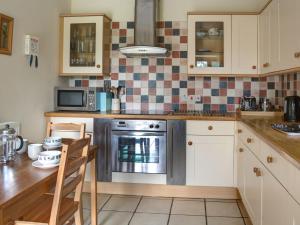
(157, 126)
(151, 126)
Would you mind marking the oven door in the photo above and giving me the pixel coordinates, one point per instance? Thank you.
(139, 152)
(71, 99)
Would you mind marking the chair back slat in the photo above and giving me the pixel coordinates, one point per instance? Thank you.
(64, 186)
(74, 166)
(66, 127)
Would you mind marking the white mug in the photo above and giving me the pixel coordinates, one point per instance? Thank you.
(115, 105)
(24, 148)
(34, 150)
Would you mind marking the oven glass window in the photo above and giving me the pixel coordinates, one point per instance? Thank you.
(138, 149)
(70, 98)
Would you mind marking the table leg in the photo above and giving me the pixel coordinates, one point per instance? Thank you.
(94, 216)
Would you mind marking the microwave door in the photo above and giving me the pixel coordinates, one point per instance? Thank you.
(71, 100)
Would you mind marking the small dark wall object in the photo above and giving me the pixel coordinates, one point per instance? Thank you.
(6, 34)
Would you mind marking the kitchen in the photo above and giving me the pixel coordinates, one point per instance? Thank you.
(192, 133)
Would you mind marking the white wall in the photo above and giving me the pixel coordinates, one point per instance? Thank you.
(174, 10)
(26, 93)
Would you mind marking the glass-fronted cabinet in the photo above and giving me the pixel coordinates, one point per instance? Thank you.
(209, 45)
(85, 45)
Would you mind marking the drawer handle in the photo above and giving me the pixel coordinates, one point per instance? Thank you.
(254, 67)
(190, 143)
(269, 159)
(98, 66)
(297, 55)
(210, 128)
(266, 65)
(240, 131)
(249, 140)
(257, 171)
(241, 150)
(192, 66)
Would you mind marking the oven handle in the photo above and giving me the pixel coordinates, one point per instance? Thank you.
(106, 149)
(135, 133)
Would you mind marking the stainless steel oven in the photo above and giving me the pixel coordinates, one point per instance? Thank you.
(139, 146)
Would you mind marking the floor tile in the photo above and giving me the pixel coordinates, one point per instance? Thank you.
(122, 203)
(155, 205)
(223, 209)
(149, 219)
(248, 221)
(220, 200)
(243, 209)
(187, 220)
(101, 200)
(86, 217)
(188, 207)
(114, 218)
(224, 221)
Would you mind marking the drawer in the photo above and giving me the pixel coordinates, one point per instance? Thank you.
(249, 139)
(277, 165)
(296, 185)
(210, 128)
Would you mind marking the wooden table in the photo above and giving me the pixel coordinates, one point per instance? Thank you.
(21, 184)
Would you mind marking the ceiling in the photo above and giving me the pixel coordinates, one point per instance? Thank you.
(123, 10)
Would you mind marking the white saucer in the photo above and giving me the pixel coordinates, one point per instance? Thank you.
(40, 165)
(51, 147)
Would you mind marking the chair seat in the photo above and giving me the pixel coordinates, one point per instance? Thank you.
(40, 210)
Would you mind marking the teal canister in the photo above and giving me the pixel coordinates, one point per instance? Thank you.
(105, 101)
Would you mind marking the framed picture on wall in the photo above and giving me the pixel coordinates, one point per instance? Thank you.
(6, 34)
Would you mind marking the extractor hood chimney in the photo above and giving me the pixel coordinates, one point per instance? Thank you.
(145, 31)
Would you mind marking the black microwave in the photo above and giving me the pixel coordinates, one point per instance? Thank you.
(76, 99)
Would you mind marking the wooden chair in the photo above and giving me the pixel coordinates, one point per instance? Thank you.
(59, 208)
(66, 127)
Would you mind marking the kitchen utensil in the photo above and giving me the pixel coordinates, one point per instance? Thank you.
(49, 157)
(292, 109)
(115, 106)
(34, 150)
(10, 143)
(24, 148)
(248, 103)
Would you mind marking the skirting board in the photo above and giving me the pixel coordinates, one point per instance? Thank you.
(160, 190)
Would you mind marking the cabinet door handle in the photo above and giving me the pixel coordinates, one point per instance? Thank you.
(255, 169)
(241, 150)
(297, 55)
(254, 67)
(249, 140)
(210, 127)
(269, 159)
(98, 66)
(240, 131)
(265, 65)
(192, 66)
(190, 143)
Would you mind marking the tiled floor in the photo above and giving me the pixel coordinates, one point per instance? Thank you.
(138, 210)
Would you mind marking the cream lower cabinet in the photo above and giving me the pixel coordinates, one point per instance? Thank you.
(210, 153)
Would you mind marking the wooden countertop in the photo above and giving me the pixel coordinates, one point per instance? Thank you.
(171, 116)
(287, 146)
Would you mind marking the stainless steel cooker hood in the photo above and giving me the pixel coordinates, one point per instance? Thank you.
(145, 31)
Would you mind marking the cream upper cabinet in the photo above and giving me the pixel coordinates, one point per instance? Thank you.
(269, 37)
(209, 44)
(289, 18)
(244, 44)
(85, 45)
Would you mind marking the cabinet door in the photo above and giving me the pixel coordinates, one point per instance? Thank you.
(264, 41)
(290, 34)
(210, 160)
(82, 45)
(240, 152)
(209, 48)
(296, 213)
(277, 206)
(244, 44)
(253, 183)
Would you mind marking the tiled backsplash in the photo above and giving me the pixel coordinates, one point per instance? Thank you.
(163, 83)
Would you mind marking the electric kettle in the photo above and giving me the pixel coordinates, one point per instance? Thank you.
(292, 109)
(10, 143)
